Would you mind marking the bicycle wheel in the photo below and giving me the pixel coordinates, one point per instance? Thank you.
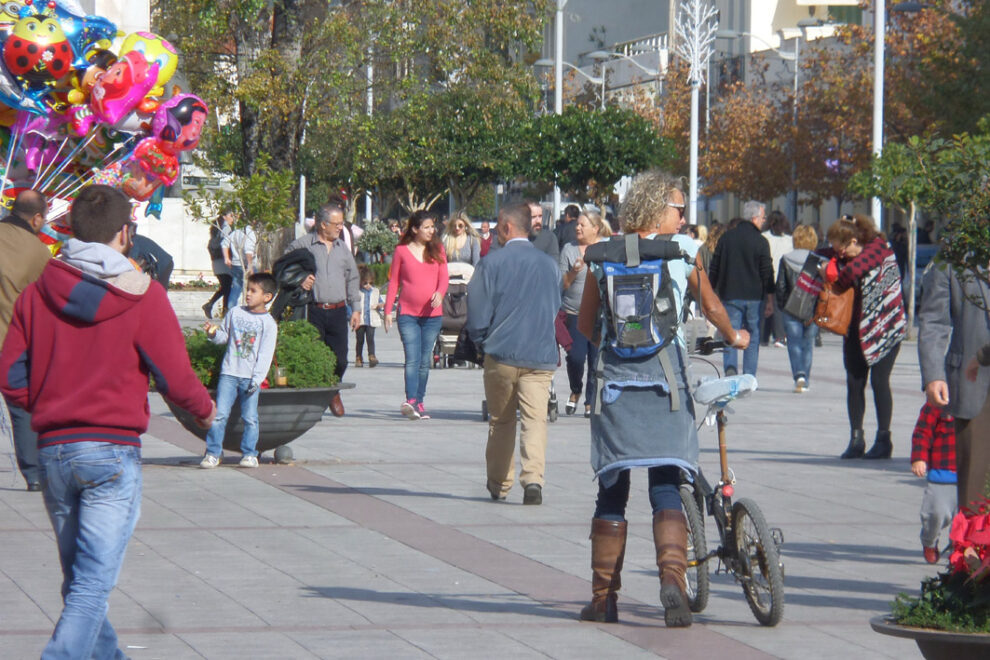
(759, 566)
(697, 548)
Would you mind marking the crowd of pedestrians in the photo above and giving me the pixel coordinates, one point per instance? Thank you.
(531, 291)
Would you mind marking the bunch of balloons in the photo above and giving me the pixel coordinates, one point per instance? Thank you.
(76, 111)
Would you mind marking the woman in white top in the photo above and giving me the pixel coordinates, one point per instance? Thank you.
(590, 229)
(780, 240)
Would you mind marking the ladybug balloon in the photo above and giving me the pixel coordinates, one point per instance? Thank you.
(37, 52)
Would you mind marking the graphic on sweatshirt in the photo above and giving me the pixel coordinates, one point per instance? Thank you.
(244, 344)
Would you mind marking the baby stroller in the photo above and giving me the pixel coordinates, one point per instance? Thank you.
(454, 314)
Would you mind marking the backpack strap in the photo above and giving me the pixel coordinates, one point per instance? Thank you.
(668, 371)
(632, 249)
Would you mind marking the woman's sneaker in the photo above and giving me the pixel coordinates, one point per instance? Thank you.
(209, 462)
(249, 462)
(408, 408)
(801, 384)
(421, 411)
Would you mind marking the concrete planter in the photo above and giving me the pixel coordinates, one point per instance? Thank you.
(284, 414)
(937, 644)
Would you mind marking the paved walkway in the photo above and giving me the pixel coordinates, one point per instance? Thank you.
(381, 540)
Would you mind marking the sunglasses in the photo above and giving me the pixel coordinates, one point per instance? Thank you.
(679, 207)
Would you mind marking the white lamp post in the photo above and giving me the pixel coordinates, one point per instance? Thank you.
(558, 89)
(879, 35)
(697, 21)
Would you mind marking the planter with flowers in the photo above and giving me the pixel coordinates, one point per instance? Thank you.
(292, 400)
(951, 617)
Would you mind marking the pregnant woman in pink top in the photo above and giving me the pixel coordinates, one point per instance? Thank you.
(419, 277)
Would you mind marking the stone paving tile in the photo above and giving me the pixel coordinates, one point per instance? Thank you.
(257, 645)
(346, 644)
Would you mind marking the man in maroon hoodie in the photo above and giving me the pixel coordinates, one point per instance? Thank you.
(81, 345)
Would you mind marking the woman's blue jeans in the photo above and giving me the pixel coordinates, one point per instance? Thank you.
(236, 286)
(800, 344)
(419, 336)
(93, 496)
(582, 351)
(664, 484)
(229, 390)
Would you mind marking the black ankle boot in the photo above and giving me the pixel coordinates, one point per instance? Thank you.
(882, 446)
(857, 445)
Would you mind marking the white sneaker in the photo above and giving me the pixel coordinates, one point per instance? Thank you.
(779, 344)
(209, 462)
(249, 462)
(801, 385)
(408, 408)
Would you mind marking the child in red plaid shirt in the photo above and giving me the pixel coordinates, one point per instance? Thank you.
(933, 455)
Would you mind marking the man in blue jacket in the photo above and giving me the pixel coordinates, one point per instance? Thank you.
(513, 300)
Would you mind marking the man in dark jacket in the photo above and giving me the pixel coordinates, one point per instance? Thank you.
(742, 276)
(81, 344)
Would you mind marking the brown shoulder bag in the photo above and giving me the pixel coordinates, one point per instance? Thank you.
(834, 310)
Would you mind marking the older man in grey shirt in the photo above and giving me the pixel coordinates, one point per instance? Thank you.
(334, 287)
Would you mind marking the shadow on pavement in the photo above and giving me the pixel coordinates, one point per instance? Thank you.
(511, 604)
(382, 492)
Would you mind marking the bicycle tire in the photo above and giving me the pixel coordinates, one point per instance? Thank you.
(762, 574)
(698, 581)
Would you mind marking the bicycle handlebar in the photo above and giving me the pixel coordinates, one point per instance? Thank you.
(708, 345)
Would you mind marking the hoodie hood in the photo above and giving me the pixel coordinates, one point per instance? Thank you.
(795, 259)
(100, 291)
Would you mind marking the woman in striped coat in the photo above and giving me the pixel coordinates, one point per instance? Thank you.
(864, 261)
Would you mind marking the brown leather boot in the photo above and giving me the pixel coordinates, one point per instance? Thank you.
(670, 538)
(608, 548)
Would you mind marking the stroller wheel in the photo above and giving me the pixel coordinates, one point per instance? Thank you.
(553, 415)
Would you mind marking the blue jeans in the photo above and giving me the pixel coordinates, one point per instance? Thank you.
(800, 344)
(229, 390)
(93, 496)
(664, 484)
(419, 335)
(236, 286)
(745, 315)
(582, 351)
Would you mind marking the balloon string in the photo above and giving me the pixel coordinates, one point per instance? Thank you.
(68, 159)
(44, 170)
(86, 178)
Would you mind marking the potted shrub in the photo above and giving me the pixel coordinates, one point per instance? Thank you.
(305, 364)
(377, 240)
(951, 616)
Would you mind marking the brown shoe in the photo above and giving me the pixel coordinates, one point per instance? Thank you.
(670, 539)
(336, 405)
(372, 361)
(608, 548)
(358, 362)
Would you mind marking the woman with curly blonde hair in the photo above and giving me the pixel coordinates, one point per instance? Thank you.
(638, 424)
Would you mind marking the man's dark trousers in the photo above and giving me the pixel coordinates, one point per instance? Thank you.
(333, 327)
(25, 444)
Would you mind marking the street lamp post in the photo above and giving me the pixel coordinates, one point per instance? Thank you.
(697, 22)
(558, 89)
(879, 35)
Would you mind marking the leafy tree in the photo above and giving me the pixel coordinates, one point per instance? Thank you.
(587, 152)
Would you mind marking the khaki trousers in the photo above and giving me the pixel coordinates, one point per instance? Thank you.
(508, 389)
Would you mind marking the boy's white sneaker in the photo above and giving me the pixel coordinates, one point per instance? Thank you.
(249, 462)
(209, 462)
